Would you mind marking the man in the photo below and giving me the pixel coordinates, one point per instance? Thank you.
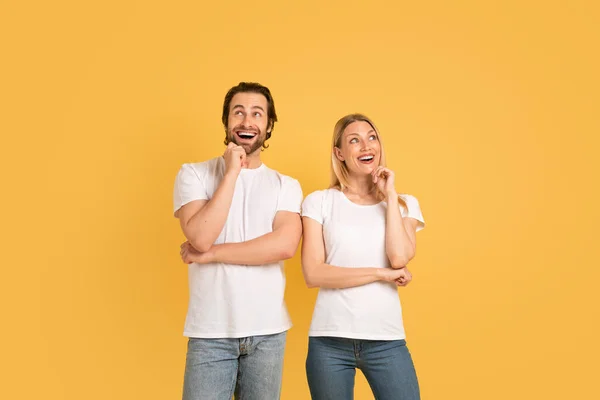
(241, 220)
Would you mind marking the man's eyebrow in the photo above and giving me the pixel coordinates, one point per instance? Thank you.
(253, 107)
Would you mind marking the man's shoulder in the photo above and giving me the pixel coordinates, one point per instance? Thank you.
(201, 168)
(281, 177)
(207, 164)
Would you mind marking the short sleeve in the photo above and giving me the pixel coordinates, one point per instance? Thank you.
(290, 198)
(312, 206)
(414, 210)
(188, 187)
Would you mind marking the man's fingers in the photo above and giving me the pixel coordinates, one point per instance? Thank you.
(243, 159)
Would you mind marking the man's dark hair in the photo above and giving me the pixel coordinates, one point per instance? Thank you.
(251, 87)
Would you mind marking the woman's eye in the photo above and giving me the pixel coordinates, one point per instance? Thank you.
(355, 140)
(373, 137)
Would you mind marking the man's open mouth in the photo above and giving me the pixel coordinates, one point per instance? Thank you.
(245, 135)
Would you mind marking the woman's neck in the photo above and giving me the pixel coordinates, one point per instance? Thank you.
(361, 186)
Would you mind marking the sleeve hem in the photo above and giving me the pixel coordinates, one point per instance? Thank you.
(313, 218)
(183, 203)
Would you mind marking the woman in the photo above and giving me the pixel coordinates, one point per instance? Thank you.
(359, 235)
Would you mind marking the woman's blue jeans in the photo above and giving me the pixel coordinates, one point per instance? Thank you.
(387, 364)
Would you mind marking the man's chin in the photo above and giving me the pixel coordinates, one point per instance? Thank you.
(250, 148)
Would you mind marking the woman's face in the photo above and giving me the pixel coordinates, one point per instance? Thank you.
(359, 148)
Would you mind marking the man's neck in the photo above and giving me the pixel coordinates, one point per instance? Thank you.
(253, 160)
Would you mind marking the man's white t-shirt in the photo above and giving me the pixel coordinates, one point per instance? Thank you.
(229, 301)
(354, 237)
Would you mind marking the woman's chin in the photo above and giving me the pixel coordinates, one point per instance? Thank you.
(362, 170)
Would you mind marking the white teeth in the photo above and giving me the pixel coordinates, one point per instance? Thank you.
(246, 135)
(366, 158)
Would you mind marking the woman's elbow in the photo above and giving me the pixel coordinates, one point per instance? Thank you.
(398, 263)
(310, 280)
(401, 260)
(312, 285)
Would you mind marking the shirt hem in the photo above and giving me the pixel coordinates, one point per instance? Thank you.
(234, 335)
(354, 335)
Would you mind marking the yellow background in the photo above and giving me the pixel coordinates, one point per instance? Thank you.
(490, 116)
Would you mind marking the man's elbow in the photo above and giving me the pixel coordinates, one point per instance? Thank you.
(201, 245)
(286, 254)
(288, 251)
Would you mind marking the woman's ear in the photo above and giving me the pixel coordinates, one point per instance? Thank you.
(338, 154)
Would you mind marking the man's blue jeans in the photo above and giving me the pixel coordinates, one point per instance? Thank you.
(250, 367)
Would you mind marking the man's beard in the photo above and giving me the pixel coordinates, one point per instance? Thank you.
(249, 148)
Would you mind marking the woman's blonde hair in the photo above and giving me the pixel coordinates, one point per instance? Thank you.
(339, 170)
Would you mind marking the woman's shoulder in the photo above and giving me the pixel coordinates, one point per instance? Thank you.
(412, 209)
(408, 202)
(320, 195)
(323, 198)
(408, 198)
(317, 204)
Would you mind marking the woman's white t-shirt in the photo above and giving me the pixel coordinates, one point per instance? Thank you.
(354, 237)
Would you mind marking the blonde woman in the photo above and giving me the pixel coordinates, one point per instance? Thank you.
(359, 236)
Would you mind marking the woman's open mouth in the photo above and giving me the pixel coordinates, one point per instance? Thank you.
(366, 159)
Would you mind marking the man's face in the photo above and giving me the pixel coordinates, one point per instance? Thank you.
(247, 123)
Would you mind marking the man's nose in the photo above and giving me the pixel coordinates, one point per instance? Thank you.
(247, 120)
